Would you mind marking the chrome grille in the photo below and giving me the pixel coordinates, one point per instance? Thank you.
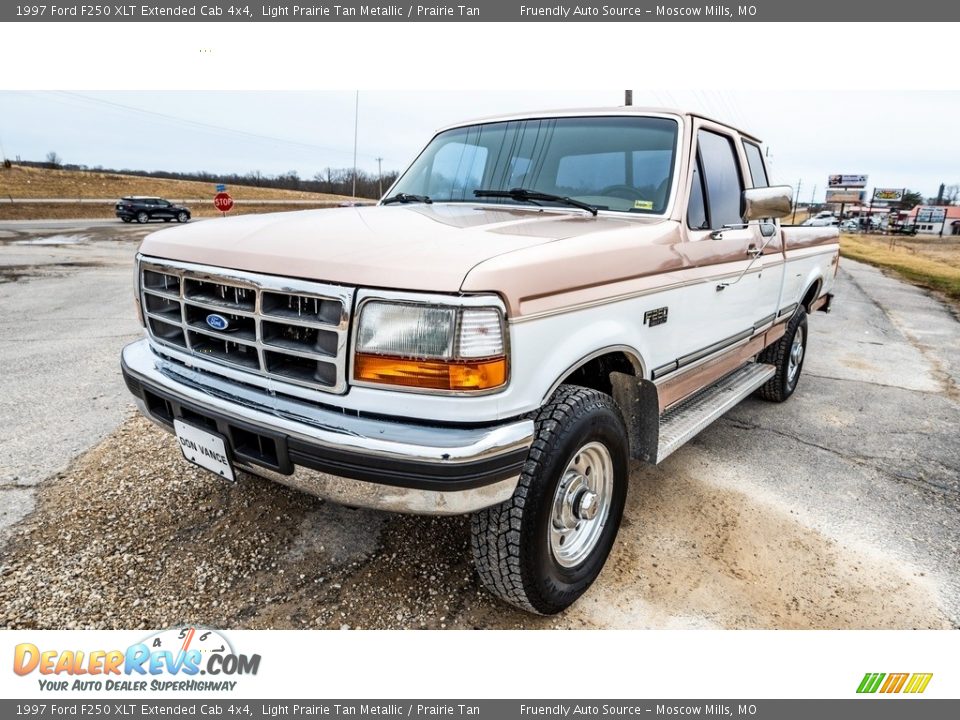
(290, 330)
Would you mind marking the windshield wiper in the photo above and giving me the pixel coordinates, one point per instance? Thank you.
(534, 195)
(407, 198)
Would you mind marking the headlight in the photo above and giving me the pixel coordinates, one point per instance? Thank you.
(431, 347)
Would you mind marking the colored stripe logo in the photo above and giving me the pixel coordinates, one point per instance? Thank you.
(913, 683)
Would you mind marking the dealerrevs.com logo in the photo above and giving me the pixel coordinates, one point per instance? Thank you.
(179, 659)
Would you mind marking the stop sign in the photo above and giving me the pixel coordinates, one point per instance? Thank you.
(223, 201)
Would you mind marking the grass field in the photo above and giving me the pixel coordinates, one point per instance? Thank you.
(76, 211)
(930, 262)
(29, 182)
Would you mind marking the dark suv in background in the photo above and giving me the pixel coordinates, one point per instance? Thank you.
(144, 209)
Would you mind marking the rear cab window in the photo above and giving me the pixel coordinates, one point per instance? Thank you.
(758, 172)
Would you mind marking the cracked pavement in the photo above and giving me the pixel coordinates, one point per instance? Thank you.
(837, 509)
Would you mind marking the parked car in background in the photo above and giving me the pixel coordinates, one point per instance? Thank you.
(822, 221)
(850, 225)
(143, 209)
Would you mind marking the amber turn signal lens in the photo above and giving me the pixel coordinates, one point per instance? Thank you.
(431, 374)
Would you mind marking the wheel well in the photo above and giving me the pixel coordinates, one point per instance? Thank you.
(812, 294)
(595, 373)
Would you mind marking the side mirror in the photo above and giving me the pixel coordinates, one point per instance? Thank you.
(767, 202)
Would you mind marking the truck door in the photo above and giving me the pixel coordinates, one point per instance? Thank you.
(774, 267)
(737, 266)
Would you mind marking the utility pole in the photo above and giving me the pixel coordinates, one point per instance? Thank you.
(380, 176)
(628, 97)
(356, 125)
(796, 201)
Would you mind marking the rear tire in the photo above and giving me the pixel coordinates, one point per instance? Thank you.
(543, 548)
(787, 355)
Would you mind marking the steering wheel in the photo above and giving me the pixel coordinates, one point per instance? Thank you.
(625, 192)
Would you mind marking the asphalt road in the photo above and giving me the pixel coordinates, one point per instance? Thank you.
(56, 224)
(65, 290)
(837, 509)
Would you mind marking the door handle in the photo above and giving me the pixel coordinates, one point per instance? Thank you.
(753, 251)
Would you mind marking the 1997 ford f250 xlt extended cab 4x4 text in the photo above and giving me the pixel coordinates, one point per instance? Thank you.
(536, 300)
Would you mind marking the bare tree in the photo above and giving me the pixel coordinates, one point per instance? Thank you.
(54, 160)
(950, 194)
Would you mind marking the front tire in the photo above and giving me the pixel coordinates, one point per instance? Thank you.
(541, 549)
(182, 217)
(142, 217)
(787, 356)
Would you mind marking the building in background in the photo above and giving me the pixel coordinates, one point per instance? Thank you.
(936, 220)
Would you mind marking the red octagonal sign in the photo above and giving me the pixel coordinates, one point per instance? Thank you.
(223, 201)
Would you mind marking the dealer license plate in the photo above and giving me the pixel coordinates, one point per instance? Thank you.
(204, 448)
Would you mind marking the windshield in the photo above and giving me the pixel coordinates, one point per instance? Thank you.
(621, 163)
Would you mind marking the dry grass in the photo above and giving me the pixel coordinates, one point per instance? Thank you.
(930, 262)
(29, 182)
(76, 211)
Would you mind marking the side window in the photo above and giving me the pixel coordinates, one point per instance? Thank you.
(723, 185)
(696, 209)
(755, 160)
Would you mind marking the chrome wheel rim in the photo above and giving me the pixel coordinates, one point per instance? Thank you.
(796, 356)
(581, 504)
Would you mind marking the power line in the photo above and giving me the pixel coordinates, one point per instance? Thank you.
(356, 127)
(202, 125)
(705, 107)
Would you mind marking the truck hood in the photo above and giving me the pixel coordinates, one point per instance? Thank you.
(421, 247)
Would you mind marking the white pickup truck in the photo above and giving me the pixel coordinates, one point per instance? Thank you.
(538, 299)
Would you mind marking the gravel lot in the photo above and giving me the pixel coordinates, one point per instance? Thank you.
(837, 509)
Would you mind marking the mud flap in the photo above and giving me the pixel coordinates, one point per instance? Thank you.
(640, 405)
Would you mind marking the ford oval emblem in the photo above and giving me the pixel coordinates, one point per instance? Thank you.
(217, 322)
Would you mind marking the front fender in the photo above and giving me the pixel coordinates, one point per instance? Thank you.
(539, 373)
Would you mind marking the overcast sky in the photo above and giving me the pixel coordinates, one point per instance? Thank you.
(899, 139)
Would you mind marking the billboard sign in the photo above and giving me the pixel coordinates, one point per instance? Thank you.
(845, 196)
(931, 215)
(847, 181)
(888, 194)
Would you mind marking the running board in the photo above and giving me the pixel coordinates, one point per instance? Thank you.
(687, 418)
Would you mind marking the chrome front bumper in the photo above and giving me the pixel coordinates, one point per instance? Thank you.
(361, 461)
